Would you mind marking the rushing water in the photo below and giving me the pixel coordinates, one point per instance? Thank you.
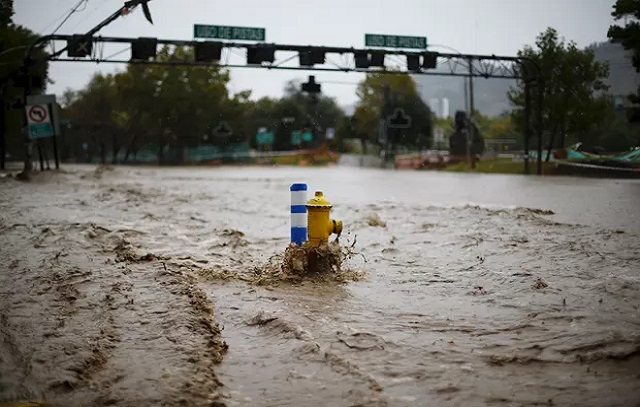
(477, 289)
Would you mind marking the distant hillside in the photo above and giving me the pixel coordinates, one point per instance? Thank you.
(623, 79)
(491, 94)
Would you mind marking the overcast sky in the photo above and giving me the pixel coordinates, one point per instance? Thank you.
(498, 27)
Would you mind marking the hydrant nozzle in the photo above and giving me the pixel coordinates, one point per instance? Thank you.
(319, 224)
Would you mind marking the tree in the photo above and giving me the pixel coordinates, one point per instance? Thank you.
(169, 108)
(402, 94)
(574, 91)
(93, 112)
(14, 41)
(6, 12)
(629, 37)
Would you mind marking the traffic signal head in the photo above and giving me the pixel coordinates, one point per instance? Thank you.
(399, 120)
(28, 81)
(207, 51)
(311, 87)
(429, 60)
(311, 57)
(377, 59)
(259, 54)
(143, 49)
(362, 59)
(80, 46)
(413, 62)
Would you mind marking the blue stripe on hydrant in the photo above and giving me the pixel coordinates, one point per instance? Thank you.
(298, 209)
(298, 213)
(298, 235)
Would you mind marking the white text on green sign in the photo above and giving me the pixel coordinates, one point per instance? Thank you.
(229, 33)
(394, 41)
(264, 137)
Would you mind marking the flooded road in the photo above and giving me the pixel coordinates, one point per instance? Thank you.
(469, 289)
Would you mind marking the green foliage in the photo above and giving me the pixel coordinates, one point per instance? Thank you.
(629, 35)
(6, 12)
(403, 94)
(14, 42)
(163, 106)
(574, 91)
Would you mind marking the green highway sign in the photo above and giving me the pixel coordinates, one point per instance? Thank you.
(307, 136)
(394, 41)
(224, 32)
(296, 137)
(264, 137)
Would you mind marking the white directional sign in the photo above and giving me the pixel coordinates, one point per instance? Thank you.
(330, 133)
(438, 134)
(39, 121)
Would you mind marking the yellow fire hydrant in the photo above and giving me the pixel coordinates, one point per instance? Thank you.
(319, 225)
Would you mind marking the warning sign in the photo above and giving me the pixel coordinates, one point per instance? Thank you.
(39, 121)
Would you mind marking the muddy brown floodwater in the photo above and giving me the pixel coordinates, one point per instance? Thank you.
(144, 286)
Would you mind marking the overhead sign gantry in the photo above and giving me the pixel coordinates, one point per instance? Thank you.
(259, 54)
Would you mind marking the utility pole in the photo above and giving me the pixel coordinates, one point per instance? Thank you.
(471, 129)
(26, 91)
(527, 124)
(465, 89)
(3, 129)
(386, 96)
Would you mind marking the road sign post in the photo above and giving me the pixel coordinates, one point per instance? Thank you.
(224, 32)
(394, 41)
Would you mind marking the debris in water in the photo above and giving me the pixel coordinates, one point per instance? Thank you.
(539, 284)
(97, 173)
(322, 262)
(374, 220)
(297, 264)
(124, 252)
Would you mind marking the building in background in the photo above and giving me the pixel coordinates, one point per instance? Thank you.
(439, 107)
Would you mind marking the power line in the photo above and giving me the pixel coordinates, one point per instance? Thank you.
(86, 17)
(73, 11)
(341, 83)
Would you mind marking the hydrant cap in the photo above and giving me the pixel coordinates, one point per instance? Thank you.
(318, 201)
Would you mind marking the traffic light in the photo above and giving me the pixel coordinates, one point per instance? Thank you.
(79, 46)
(259, 54)
(377, 59)
(143, 49)
(208, 51)
(399, 120)
(413, 62)
(362, 59)
(28, 81)
(312, 86)
(311, 57)
(430, 60)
